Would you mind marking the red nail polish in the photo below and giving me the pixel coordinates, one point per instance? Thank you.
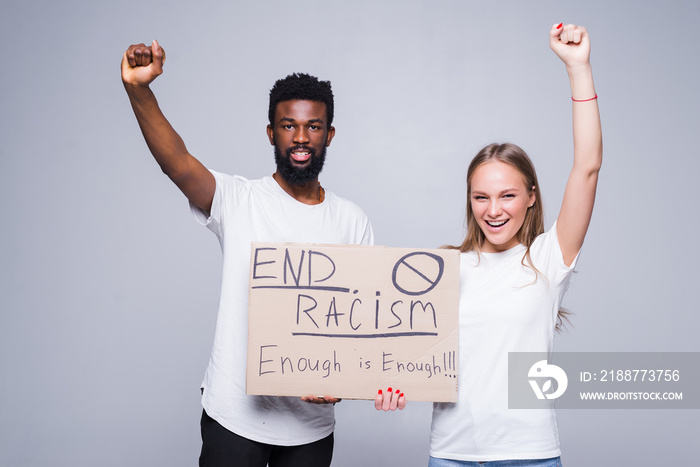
(560, 25)
(397, 391)
(388, 390)
(380, 391)
(401, 395)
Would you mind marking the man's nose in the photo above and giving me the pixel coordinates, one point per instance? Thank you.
(301, 136)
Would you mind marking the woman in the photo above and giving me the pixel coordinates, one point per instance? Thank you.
(513, 277)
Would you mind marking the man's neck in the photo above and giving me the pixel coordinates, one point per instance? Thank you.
(308, 193)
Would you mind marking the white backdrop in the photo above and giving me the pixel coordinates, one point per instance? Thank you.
(108, 288)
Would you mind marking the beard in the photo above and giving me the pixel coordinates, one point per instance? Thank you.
(299, 175)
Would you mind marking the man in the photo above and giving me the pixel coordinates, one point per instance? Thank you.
(290, 206)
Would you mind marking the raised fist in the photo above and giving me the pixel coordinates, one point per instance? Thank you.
(142, 63)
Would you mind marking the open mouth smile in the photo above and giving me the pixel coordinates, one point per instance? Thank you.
(496, 224)
(300, 154)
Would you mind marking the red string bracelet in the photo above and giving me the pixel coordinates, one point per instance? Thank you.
(584, 100)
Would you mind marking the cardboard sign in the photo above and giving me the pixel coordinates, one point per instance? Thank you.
(347, 320)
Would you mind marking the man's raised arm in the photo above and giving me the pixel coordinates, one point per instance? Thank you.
(142, 64)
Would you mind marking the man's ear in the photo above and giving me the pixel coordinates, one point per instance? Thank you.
(330, 135)
(271, 134)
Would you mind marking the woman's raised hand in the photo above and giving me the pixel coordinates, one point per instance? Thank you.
(571, 44)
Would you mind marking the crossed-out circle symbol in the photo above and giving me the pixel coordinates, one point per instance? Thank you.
(430, 279)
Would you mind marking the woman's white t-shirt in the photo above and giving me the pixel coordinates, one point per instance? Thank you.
(504, 307)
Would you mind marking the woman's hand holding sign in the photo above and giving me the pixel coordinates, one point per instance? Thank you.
(391, 400)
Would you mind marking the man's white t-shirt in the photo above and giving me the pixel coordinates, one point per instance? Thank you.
(244, 211)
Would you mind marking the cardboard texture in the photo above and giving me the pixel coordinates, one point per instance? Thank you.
(346, 320)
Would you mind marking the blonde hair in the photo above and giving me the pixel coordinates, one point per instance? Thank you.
(533, 225)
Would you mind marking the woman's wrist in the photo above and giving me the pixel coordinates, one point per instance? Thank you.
(577, 69)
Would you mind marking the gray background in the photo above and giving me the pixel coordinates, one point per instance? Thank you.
(109, 288)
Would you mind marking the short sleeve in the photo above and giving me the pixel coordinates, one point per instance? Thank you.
(368, 236)
(548, 259)
(211, 220)
(230, 190)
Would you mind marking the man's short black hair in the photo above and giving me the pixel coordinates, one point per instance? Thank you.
(300, 86)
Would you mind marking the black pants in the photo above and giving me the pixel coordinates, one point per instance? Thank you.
(222, 448)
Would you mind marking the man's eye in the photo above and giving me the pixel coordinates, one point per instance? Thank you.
(315, 127)
(287, 126)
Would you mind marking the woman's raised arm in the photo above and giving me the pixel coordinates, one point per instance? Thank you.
(572, 45)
